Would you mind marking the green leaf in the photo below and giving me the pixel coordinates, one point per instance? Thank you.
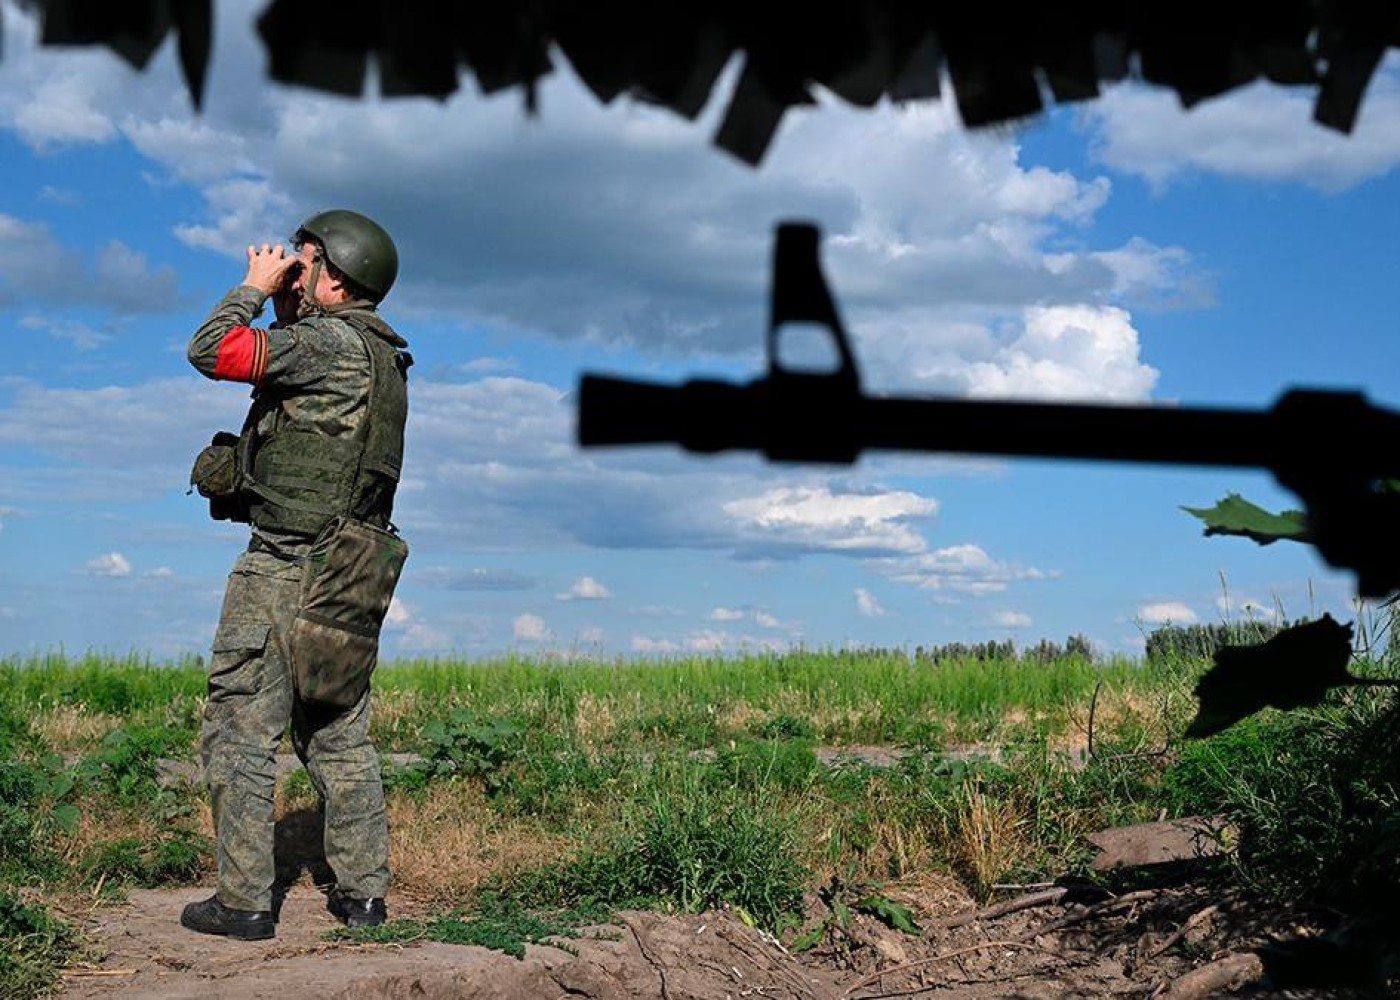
(888, 912)
(810, 939)
(66, 816)
(60, 785)
(1237, 516)
(1294, 669)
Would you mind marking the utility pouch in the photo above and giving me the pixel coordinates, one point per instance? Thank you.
(215, 475)
(350, 576)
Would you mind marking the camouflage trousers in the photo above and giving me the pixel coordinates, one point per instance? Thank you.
(250, 704)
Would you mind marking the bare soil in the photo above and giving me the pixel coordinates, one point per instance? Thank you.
(1179, 941)
(1140, 944)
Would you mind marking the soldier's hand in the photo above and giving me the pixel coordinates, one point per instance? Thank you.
(267, 267)
(286, 302)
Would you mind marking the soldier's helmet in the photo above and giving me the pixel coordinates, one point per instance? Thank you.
(357, 246)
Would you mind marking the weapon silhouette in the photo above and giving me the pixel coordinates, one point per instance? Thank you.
(1333, 449)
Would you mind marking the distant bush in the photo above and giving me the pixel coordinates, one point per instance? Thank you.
(1044, 651)
(1199, 642)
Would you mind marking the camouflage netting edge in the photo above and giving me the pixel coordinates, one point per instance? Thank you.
(1002, 63)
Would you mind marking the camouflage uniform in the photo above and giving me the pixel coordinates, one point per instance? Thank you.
(317, 374)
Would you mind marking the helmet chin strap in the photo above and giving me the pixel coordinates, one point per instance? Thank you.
(309, 304)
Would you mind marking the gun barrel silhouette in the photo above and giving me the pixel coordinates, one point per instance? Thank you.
(800, 418)
(1333, 448)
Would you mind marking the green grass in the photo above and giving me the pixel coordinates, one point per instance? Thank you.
(695, 782)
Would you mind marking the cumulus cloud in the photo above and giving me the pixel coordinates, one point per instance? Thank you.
(530, 628)
(1012, 619)
(161, 425)
(867, 605)
(585, 588)
(1166, 613)
(1262, 132)
(727, 614)
(80, 335)
(113, 565)
(398, 615)
(1067, 352)
(37, 270)
(818, 519)
(965, 569)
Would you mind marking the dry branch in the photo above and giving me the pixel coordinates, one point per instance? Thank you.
(1228, 973)
(866, 980)
(1192, 921)
(1002, 909)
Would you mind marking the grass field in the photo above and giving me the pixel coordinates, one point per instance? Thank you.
(564, 787)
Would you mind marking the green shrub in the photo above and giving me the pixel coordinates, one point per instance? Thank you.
(691, 846)
(1316, 796)
(126, 765)
(174, 858)
(34, 808)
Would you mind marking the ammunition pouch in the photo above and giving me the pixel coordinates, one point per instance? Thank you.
(350, 576)
(217, 477)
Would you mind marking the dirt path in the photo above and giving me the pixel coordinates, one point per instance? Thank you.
(1125, 947)
(149, 956)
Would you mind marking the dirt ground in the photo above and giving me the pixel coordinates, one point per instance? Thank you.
(1082, 944)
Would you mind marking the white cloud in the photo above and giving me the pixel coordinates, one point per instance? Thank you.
(962, 569)
(943, 221)
(162, 425)
(36, 269)
(815, 518)
(111, 564)
(593, 634)
(1261, 132)
(399, 614)
(867, 605)
(706, 642)
(530, 628)
(765, 620)
(1068, 352)
(726, 615)
(585, 588)
(644, 644)
(161, 573)
(1166, 612)
(1012, 619)
(80, 335)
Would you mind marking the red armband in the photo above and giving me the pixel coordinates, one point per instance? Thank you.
(242, 355)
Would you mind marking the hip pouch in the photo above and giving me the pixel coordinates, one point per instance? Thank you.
(350, 576)
(216, 476)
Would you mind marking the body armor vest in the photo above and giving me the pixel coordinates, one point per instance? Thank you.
(298, 480)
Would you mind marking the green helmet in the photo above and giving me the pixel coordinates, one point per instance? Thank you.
(357, 247)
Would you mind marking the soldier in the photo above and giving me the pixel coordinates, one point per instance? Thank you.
(321, 447)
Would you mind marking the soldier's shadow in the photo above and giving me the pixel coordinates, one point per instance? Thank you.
(298, 849)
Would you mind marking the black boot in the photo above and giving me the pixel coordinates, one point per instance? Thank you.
(356, 912)
(209, 916)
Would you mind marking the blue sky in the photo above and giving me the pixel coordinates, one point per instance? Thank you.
(1120, 250)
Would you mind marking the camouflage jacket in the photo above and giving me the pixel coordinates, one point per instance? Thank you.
(311, 382)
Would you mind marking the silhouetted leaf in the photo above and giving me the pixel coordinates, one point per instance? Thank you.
(1292, 670)
(1237, 516)
(194, 24)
